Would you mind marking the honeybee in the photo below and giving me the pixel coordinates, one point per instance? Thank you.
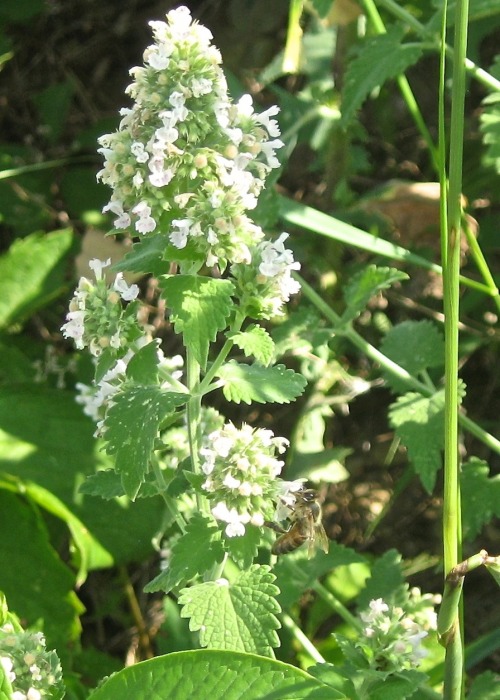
(305, 526)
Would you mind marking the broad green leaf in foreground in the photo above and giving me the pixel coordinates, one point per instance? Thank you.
(364, 285)
(196, 551)
(418, 421)
(46, 439)
(37, 585)
(88, 548)
(201, 307)
(32, 273)
(255, 341)
(145, 256)
(213, 675)
(484, 687)
(380, 58)
(144, 406)
(249, 383)
(237, 616)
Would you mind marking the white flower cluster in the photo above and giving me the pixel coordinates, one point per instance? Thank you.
(96, 318)
(394, 639)
(96, 399)
(266, 283)
(241, 470)
(32, 671)
(185, 159)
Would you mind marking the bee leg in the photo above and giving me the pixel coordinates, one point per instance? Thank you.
(275, 527)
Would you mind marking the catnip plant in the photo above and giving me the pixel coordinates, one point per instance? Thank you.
(186, 167)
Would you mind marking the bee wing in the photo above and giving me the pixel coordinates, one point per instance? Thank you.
(321, 538)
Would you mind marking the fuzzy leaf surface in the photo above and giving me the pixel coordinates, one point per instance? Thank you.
(480, 496)
(201, 307)
(255, 341)
(380, 58)
(144, 406)
(249, 383)
(364, 285)
(418, 421)
(196, 551)
(415, 346)
(206, 674)
(237, 616)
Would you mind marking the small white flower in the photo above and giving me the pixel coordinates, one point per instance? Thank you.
(127, 293)
(97, 266)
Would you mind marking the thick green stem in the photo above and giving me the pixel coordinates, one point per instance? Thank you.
(452, 535)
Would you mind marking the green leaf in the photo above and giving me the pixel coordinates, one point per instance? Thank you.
(480, 496)
(32, 274)
(86, 545)
(212, 675)
(243, 550)
(249, 383)
(380, 58)
(145, 256)
(494, 570)
(195, 552)
(144, 406)
(385, 580)
(484, 687)
(53, 103)
(418, 421)
(326, 466)
(490, 128)
(46, 439)
(36, 583)
(255, 341)
(397, 686)
(364, 285)
(334, 229)
(143, 367)
(105, 483)
(236, 616)
(200, 308)
(414, 345)
(295, 573)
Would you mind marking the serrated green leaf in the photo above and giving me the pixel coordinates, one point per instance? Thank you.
(32, 274)
(207, 674)
(146, 407)
(385, 580)
(490, 128)
(484, 687)
(480, 496)
(143, 367)
(145, 256)
(414, 345)
(105, 483)
(380, 58)
(418, 421)
(397, 686)
(243, 550)
(364, 285)
(237, 616)
(201, 307)
(255, 341)
(249, 383)
(195, 552)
